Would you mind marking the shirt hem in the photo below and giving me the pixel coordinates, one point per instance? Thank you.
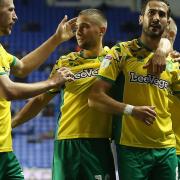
(83, 136)
(6, 150)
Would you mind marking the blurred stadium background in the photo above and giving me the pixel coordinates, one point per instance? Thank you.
(38, 19)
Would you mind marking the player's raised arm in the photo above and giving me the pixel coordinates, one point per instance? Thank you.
(157, 64)
(65, 31)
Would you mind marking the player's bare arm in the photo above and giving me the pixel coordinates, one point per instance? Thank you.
(31, 109)
(33, 60)
(99, 99)
(11, 90)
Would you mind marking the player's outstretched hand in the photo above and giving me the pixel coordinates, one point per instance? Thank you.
(61, 76)
(157, 64)
(66, 29)
(146, 114)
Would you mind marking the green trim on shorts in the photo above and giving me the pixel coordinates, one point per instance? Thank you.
(78, 159)
(10, 168)
(146, 163)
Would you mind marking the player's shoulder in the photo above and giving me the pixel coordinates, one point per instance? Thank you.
(125, 44)
(71, 55)
(123, 48)
(5, 56)
(3, 52)
(67, 59)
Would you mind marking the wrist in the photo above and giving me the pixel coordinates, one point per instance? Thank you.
(56, 40)
(128, 109)
(162, 52)
(165, 46)
(50, 83)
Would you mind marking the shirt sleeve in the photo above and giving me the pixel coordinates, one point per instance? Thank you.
(13, 61)
(5, 64)
(2, 69)
(112, 64)
(57, 66)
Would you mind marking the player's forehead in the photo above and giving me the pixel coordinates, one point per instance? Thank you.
(7, 3)
(87, 19)
(156, 5)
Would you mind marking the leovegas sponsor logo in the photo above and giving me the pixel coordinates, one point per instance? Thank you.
(86, 73)
(148, 79)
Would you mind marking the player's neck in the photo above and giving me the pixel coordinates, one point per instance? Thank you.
(151, 43)
(93, 52)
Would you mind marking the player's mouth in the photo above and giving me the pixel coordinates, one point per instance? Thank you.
(155, 26)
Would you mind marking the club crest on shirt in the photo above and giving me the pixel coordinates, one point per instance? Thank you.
(106, 61)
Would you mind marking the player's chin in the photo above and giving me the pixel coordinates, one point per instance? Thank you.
(155, 34)
(81, 45)
(10, 30)
(7, 32)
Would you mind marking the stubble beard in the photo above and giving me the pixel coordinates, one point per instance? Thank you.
(152, 34)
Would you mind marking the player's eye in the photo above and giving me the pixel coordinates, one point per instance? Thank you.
(151, 12)
(162, 14)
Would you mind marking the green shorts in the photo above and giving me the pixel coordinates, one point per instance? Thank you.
(146, 164)
(9, 167)
(83, 159)
(178, 159)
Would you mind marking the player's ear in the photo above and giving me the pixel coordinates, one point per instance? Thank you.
(140, 20)
(102, 30)
(168, 22)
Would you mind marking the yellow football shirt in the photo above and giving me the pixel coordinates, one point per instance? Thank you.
(77, 119)
(6, 61)
(140, 88)
(174, 108)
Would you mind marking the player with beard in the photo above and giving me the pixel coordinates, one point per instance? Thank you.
(82, 146)
(145, 145)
